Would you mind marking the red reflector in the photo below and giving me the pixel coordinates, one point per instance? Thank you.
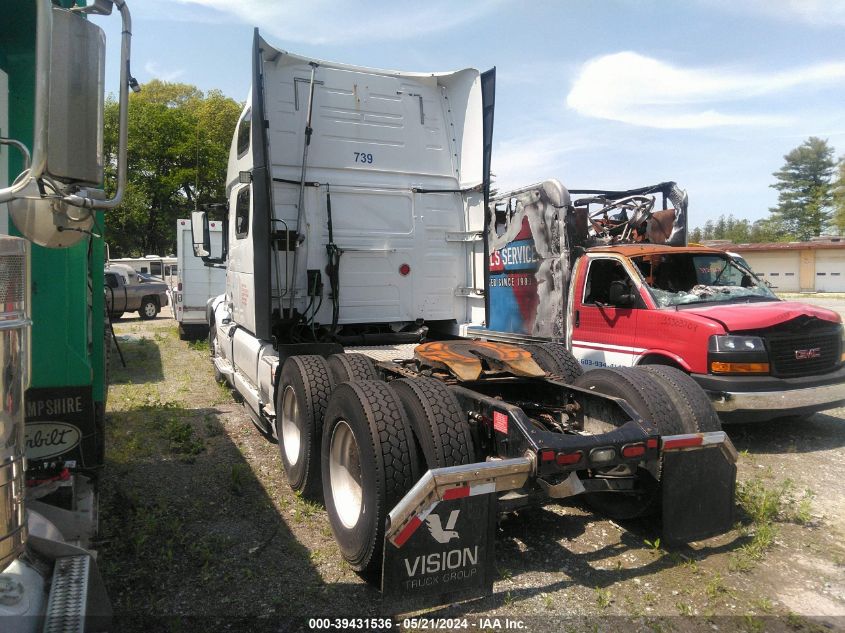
(456, 493)
(407, 531)
(500, 422)
(404, 269)
(651, 442)
(683, 442)
(567, 459)
(547, 455)
(633, 450)
(179, 286)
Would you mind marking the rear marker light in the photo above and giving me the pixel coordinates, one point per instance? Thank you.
(602, 455)
(569, 459)
(633, 450)
(404, 269)
(547, 456)
(683, 442)
(651, 442)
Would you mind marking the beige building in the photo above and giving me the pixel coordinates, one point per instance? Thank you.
(815, 266)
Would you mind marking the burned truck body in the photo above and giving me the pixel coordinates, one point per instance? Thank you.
(609, 275)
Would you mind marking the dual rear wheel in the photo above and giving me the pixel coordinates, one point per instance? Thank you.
(363, 443)
(667, 397)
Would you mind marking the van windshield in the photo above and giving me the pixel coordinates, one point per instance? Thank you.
(685, 278)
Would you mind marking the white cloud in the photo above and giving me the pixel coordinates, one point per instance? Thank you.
(525, 160)
(332, 22)
(639, 90)
(154, 70)
(822, 13)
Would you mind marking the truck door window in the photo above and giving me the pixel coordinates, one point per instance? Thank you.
(111, 281)
(242, 214)
(243, 133)
(601, 274)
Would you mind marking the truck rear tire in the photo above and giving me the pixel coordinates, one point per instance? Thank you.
(148, 309)
(649, 398)
(346, 367)
(555, 359)
(303, 393)
(640, 390)
(438, 422)
(688, 397)
(369, 462)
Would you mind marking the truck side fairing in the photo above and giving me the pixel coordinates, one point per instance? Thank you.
(394, 164)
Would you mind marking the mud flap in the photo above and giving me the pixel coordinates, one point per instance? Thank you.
(445, 554)
(698, 494)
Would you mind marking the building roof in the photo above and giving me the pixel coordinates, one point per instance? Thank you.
(834, 243)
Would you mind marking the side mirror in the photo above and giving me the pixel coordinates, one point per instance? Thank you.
(200, 234)
(619, 295)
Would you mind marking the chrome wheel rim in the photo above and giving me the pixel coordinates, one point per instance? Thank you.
(291, 435)
(150, 309)
(345, 475)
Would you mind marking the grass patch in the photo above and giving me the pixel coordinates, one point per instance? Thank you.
(238, 478)
(199, 345)
(183, 441)
(603, 598)
(715, 587)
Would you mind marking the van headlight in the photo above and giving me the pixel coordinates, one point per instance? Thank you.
(730, 343)
(741, 355)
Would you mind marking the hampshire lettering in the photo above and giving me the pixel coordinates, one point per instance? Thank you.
(55, 406)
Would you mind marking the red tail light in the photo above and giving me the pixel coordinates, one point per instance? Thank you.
(651, 442)
(686, 441)
(179, 286)
(547, 455)
(569, 459)
(633, 450)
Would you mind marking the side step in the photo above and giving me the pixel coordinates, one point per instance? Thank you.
(68, 602)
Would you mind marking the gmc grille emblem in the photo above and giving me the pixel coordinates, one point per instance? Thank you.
(804, 354)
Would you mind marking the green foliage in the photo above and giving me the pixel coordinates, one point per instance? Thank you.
(805, 200)
(839, 198)
(603, 598)
(200, 345)
(178, 150)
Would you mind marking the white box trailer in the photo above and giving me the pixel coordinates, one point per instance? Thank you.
(194, 283)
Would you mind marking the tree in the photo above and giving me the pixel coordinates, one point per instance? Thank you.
(805, 198)
(839, 199)
(178, 150)
(695, 235)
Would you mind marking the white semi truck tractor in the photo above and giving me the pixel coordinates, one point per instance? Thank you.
(52, 57)
(354, 250)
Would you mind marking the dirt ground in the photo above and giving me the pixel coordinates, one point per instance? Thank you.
(199, 530)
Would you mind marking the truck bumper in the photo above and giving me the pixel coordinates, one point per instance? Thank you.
(758, 398)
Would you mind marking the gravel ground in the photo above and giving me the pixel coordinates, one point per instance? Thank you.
(199, 530)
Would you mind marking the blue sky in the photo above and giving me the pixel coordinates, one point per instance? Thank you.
(613, 93)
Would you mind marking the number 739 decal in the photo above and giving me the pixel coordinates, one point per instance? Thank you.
(361, 157)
